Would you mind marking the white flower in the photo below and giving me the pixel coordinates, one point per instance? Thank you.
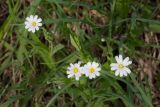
(33, 23)
(103, 40)
(74, 70)
(121, 67)
(91, 69)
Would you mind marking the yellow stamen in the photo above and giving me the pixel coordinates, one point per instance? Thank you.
(120, 66)
(92, 70)
(75, 70)
(34, 24)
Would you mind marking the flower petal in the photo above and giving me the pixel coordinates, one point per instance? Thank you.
(121, 73)
(97, 73)
(126, 60)
(117, 73)
(39, 20)
(114, 68)
(35, 17)
(120, 58)
(127, 70)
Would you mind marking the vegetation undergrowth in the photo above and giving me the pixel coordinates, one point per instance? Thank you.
(33, 66)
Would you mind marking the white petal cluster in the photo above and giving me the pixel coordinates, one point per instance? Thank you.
(91, 70)
(33, 23)
(121, 67)
(103, 40)
(74, 70)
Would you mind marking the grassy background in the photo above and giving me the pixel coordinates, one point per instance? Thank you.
(33, 66)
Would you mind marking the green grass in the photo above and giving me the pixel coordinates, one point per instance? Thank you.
(33, 66)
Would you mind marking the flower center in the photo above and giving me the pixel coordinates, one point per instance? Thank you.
(75, 70)
(92, 70)
(34, 24)
(120, 66)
